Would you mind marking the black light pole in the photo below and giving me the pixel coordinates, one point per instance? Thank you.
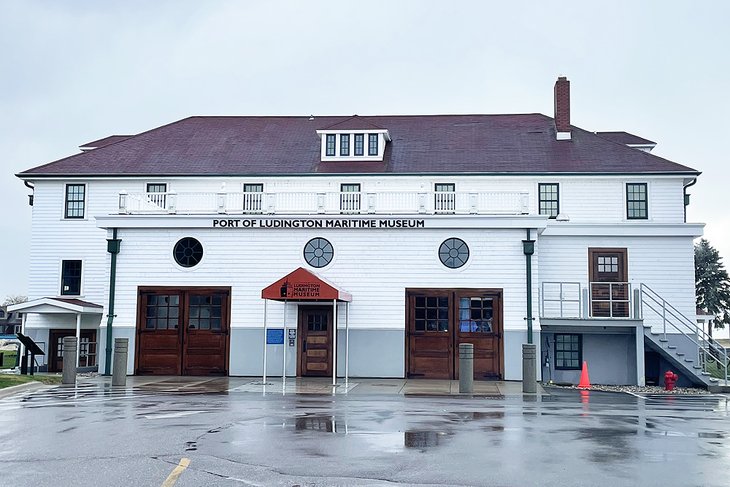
(113, 247)
(528, 247)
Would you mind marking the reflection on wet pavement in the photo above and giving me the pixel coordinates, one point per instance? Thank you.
(355, 438)
(422, 439)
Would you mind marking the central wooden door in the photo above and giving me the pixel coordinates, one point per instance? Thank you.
(183, 331)
(315, 330)
(439, 320)
(610, 292)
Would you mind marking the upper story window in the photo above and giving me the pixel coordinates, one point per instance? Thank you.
(445, 197)
(636, 201)
(71, 277)
(75, 201)
(359, 144)
(350, 198)
(549, 199)
(372, 144)
(157, 194)
(253, 194)
(344, 144)
(331, 139)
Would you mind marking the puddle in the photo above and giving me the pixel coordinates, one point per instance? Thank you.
(423, 439)
(711, 434)
(325, 424)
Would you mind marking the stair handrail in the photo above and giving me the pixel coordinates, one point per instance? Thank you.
(688, 323)
(705, 337)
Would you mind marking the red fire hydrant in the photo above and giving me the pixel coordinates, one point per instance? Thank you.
(670, 380)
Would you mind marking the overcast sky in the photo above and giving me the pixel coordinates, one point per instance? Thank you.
(72, 72)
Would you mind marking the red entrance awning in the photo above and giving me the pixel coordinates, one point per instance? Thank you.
(302, 285)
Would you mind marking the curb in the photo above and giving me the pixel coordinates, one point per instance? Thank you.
(28, 386)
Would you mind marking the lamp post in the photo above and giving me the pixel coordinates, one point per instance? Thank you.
(529, 349)
(528, 248)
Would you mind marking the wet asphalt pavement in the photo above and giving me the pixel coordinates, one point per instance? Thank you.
(95, 435)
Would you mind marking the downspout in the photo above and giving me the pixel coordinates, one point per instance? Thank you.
(113, 246)
(528, 247)
(686, 197)
(30, 185)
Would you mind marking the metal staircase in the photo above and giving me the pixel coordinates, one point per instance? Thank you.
(682, 342)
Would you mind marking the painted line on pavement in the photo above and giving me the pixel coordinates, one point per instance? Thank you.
(176, 472)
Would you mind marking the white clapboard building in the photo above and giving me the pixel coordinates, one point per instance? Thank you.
(368, 246)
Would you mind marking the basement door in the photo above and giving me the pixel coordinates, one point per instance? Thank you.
(439, 320)
(182, 331)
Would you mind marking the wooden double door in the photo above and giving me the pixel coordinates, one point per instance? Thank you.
(438, 320)
(315, 330)
(183, 331)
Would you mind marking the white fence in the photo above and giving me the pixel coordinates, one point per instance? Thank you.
(312, 203)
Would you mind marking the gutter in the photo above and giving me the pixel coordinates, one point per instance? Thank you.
(113, 246)
(686, 196)
(30, 185)
(65, 176)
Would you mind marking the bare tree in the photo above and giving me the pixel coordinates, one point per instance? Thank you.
(15, 299)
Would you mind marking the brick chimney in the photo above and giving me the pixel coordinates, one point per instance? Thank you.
(562, 108)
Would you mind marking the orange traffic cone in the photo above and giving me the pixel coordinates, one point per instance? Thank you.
(585, 382)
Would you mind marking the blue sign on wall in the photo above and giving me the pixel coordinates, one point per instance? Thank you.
(275, 336)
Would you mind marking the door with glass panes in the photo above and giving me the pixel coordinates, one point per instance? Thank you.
(182, 331)
(438, 320)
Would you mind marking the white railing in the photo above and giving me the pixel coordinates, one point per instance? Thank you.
(312, 203)
(610, 300)
(598, 300)
(560, 300)
(711, 356)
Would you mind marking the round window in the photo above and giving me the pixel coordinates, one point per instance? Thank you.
(453, 253)
(318, 252)
(188, 252)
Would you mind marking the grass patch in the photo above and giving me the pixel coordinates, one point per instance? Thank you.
(7, 380)
(9, 359)
(716, 369)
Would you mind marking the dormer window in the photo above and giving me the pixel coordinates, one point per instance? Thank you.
(372, 144)
(353, 139)
(331, 139)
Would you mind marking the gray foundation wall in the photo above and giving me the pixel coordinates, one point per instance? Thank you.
(611, 360)
(513, 341)
(118, 332)
(373, 353)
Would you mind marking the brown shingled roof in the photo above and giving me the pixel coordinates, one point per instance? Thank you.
(515, 144)
(95, 144)
(625, 138)
(354, 123)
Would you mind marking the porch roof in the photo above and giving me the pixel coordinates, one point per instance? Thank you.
(48, 305)
(303, 285)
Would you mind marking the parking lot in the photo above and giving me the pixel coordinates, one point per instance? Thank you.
(373, 432)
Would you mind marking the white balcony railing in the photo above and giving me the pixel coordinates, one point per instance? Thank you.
(598, 300)
(313, 203)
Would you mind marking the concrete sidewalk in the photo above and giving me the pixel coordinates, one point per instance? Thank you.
(310, 385)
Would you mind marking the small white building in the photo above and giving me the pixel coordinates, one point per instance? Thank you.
(408, 235)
